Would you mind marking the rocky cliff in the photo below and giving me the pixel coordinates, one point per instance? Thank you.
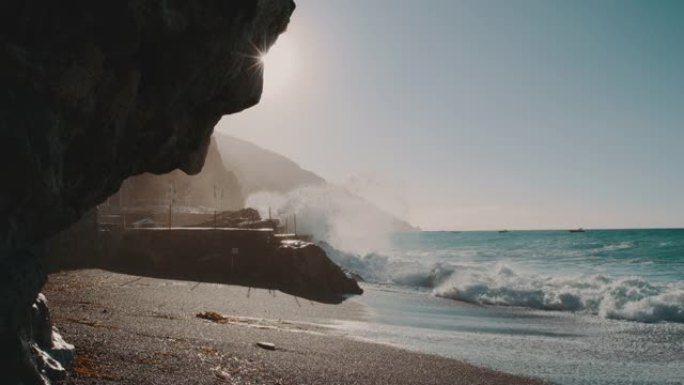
(213, 188)
(92, 92)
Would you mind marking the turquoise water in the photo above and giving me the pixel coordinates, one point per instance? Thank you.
(599, 307)
(653, 254)
(634, 275)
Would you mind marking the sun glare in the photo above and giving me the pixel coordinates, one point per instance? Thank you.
(279, 66)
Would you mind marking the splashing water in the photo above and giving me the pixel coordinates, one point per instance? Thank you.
(635, 275)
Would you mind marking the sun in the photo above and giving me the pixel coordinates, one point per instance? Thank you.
(279, 66)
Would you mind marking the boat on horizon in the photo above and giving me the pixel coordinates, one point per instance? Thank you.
(579, 230)
(503, 231)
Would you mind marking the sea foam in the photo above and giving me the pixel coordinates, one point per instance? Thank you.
(630, 298)
(504, 284)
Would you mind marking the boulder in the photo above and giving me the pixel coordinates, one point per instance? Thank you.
(304, 268)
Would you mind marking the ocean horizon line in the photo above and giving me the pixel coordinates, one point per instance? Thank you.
(553, 229)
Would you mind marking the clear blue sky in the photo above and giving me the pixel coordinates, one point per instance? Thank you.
(485, 114)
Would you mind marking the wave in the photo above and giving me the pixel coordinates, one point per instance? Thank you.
(599, 247)
(631, 299)
(620, 246)
(378, 268)
(503, 284)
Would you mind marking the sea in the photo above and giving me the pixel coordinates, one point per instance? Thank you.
(592, 307)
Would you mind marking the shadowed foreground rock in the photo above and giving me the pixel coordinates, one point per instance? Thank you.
(244, 257)
(305, 268)
(92, 92)
(234, 252)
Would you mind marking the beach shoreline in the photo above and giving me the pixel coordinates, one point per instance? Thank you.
(134, 330)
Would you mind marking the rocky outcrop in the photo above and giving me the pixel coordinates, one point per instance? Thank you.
(239, 256)
(92, 92)
(305, 268)
(50, 350)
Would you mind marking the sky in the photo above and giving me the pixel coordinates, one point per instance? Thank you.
(485, 114)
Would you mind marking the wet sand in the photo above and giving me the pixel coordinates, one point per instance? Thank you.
(138, 331)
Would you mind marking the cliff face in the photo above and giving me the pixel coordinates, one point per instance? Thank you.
(96, 91)
(92, 92)
(215, 187)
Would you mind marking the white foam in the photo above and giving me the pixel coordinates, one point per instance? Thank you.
(503, 284)
(630, 298)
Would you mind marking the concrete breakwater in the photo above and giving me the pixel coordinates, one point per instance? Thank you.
(248, 257)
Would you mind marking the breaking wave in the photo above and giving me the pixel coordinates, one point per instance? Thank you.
(378, 268)
(503, 284)
(631, 298)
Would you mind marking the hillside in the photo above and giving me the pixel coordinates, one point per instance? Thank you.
(240, 174)
(259, 169)
(328, 211)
